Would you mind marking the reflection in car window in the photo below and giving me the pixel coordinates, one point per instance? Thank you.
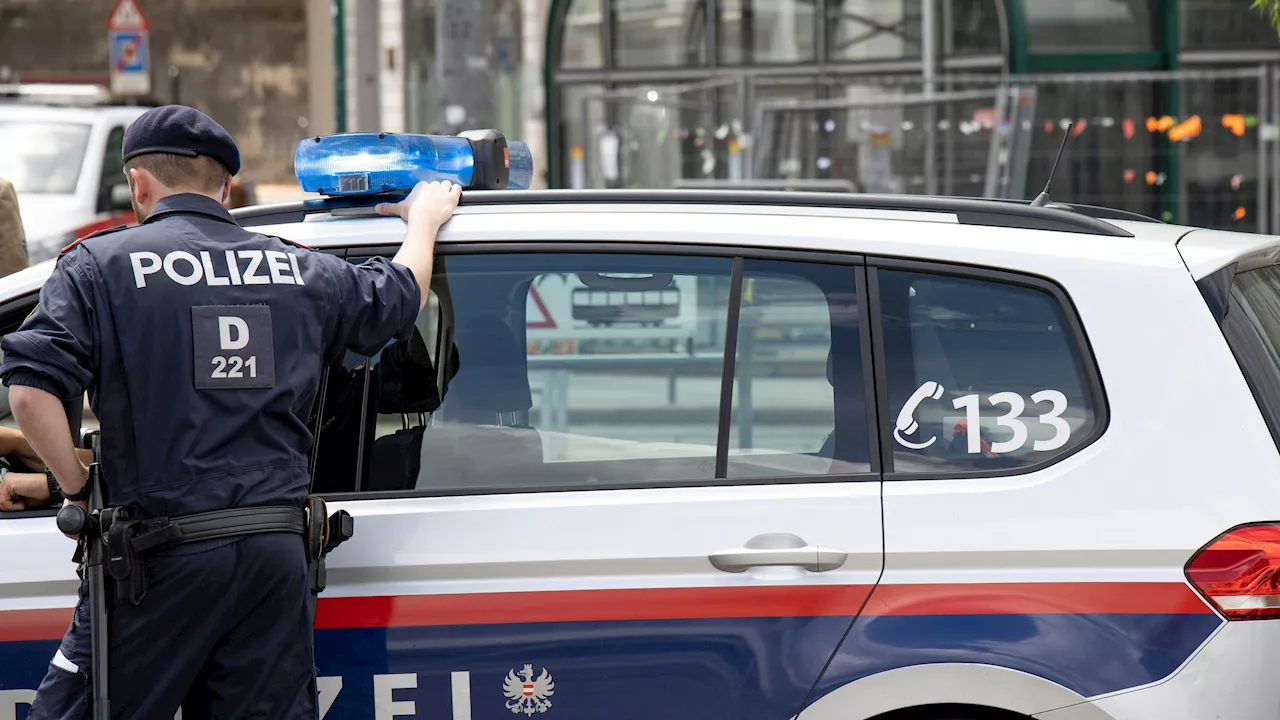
(571, 368)
(556, 369)
(798, 350)
(42, 157)
(982, 375)
(1252, 330)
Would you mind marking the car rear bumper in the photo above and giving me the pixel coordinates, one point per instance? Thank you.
(1233, 677)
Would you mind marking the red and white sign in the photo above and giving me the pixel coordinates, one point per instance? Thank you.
(126, 15)
(129, 43)
(545, 322)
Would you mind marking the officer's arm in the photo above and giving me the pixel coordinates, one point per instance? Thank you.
(52, 358)
(43, 418)
(425, 210)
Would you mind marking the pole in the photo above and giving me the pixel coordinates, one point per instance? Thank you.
(929, 59)
(73, 521)
(340, 65)
(1264, 104)
(98, 604)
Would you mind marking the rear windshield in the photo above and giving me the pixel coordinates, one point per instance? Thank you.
(1252, 329)
(42, 157)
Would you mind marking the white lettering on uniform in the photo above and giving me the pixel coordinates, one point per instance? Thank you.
(140, 272)
(250, 274)
(211, 276)
(279, 264)
(172, 258)
(227, 323)
(281, 268)
(235, 271)
(384, 707)
(297, 274)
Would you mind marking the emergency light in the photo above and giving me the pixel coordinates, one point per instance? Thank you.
(369, 163)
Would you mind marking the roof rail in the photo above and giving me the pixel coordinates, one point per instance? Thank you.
(1094, 211)
(989, 213)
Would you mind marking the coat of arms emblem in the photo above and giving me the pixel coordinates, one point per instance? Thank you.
(527, 695)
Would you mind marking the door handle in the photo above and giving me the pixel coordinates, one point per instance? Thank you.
(778, 550)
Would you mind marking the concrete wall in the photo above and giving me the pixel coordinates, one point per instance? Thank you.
(242, 61)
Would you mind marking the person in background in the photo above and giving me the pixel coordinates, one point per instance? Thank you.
(13, 241)
(23, 483)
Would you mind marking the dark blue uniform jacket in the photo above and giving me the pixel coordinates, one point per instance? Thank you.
(201, 346)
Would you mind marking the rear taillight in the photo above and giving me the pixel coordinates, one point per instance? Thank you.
(1240, 572)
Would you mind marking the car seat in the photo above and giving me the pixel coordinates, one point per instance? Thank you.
(481, 436)
(406, 382)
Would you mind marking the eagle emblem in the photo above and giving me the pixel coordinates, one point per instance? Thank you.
(526, 695)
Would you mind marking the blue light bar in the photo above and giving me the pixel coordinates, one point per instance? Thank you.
(369, 163)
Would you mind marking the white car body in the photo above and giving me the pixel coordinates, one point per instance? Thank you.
(52, 220)
(1055, 591)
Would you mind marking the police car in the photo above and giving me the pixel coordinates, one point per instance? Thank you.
(680, 454)
(60, 147)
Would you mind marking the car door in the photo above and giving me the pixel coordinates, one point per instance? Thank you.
(988, 384)
(564, 509)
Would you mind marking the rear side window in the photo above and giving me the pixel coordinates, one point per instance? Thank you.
(1252, 330)
(546, 370)
(982, 375)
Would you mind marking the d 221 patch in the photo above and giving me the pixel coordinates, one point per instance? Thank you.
(233, 346)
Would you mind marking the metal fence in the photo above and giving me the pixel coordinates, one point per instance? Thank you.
(1190, 146)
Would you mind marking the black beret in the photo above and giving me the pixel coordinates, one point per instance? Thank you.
(181, 130)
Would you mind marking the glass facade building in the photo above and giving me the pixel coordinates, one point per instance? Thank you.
(1168, 102)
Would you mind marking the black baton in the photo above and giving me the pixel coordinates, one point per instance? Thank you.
(73, 521)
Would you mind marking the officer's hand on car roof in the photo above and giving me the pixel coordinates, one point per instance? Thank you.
(429, 202)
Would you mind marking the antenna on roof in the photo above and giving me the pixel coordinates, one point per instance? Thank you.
(1043, 198)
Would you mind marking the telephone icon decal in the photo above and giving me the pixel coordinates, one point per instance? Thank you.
(907, 424)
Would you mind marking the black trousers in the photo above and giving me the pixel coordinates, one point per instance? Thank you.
(224, 632)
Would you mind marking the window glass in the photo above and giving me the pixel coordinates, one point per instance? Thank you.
(580, 126)
(982, 375)
(766, 31)
(42, 157)
(1225, 25)
(1094, 25)
(798, 402)
(580, 46)
(652, 33)
(113, 160)
(873, 29)
(1252, 329)
(972, 27)
(112, 168)
(561, 369)
(422, 106)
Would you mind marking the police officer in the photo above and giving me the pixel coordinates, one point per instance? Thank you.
(201, 346)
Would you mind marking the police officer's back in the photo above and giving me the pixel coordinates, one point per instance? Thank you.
(201, 346)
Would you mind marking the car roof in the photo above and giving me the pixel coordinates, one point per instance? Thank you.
(1114, 235)
(311, 222)
(967, 211)
(88, 114)
(996, 234)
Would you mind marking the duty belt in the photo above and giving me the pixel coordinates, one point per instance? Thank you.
(127, 540)
(169, 532)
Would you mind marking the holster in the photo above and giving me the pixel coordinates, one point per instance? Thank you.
(324, 533)
(125, 562)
